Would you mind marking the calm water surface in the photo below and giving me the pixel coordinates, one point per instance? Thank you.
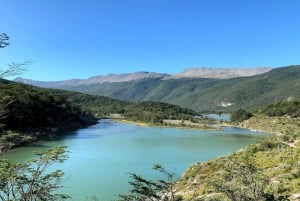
(101, 156)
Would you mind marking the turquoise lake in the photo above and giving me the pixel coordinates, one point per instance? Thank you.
(101, 156)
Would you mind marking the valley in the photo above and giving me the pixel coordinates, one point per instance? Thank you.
(149, 100)
(26, 123)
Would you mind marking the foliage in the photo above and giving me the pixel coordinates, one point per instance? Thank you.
(240, 181)
(36, 109)
(28, 113)
(268, 170)
(13, 69)
(155, 112)
(289, 108)
(149, 111)
(31, 181)
(240, 115)
(143, 189)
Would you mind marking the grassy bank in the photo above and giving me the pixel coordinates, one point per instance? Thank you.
(275, 161)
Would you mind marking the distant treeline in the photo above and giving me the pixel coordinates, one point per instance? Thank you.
(289, 108)
(149, 111)
(278, 109)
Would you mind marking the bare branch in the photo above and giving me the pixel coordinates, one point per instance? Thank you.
(4, 40)
(3, 111)
(13, 69)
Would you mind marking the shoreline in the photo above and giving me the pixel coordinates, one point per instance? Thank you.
(185, 126)
(196, 126)
(200, 127)
(41, 135)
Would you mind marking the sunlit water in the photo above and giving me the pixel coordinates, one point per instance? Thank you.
(101, 156)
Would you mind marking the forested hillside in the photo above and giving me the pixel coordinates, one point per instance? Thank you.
(202, 94)
(148, 111)
(28, 113)
(31, 108)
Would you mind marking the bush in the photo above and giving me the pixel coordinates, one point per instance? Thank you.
(240, 115)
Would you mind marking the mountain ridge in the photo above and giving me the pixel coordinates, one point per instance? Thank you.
(220, 73)
(203, 72)
(93, 80)
(205, 94)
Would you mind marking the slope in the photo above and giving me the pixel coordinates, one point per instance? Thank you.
(268, 170)
(202, 94)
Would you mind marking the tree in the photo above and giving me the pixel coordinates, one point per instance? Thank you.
(241, 181)
(240, 115)
(31, 181)
(12, 69)
(143, 189)
(4, 40)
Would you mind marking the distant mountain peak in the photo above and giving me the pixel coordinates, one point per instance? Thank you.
(219, 73)
(111, 78)
(124, 77)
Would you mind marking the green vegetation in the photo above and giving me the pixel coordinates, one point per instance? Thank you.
(147, 112)
(32, 180)
(29, 113)
(206, 95)
(289, 108)
(155, 112)
(160, 190)
(265, 171)
(31, 108)
(240, 115)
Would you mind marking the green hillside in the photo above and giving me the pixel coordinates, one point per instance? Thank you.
(32, 108)
(268, 170)
(207, 94)
(28, 114)
(148, 111)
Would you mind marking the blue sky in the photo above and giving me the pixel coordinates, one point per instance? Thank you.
(80, 38)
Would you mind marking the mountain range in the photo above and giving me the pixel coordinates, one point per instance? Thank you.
(200, 89)
(204, 72)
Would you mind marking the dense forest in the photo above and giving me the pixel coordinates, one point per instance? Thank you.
(31, 108)
(29, 113)
(148, 111)
(282, 108)
(289, 109)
